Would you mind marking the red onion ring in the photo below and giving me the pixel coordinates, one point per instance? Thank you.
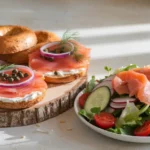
(52, 55)
(24, 83)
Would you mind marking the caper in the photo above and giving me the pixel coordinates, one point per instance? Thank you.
(4, 79)
(16, 78)
(57, 51)
(14, 75)
(10, 79)
(20, 71)
(14, 71)
(55, 73)
(50, 59)
(54, 51)
(45, 50)
(2, 74)
(26, 75)
(62, 50)
(20, 74)
(6, 75)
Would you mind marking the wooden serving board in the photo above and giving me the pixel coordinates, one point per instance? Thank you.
(58, 99)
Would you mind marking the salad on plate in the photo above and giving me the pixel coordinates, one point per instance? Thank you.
(120, 102)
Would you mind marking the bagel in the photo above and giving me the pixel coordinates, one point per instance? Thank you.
(16, 38)
(21, 105)
(65, 79)
(45, 36)
(21, 57)
(61, 70)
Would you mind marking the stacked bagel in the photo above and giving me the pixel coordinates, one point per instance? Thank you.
(16, 42)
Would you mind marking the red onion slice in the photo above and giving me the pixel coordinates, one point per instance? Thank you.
(53, 55)
(123, 100)
(24, 83)
(117, 106)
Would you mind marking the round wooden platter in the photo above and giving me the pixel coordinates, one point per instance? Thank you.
(58, 99)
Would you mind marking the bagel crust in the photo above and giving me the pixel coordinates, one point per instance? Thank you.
(21, 105)
(65, 79)
(21, 57)
(14, 39)
(45, 36)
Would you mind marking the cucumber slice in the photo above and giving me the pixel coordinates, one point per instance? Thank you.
(98, 98)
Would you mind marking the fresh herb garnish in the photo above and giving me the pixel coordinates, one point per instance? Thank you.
(126, 68)
(108, 69)
(90, 86)
(68, 35)
(78, 57)
(4, 67)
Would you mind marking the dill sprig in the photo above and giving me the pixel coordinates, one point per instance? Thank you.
(4, 67)
(68, 35)
(77, 56)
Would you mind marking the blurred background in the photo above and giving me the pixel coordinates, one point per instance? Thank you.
(102, 23)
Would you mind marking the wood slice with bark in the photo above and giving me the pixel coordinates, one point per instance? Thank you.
(58, 99)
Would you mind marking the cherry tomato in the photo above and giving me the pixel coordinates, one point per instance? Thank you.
(104, 120)
(143, 130)
(82, 99)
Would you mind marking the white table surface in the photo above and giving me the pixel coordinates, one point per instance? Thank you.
(118, 31)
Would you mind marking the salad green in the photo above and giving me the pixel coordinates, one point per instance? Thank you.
(127, 118)
(90, 86)
(126, 68)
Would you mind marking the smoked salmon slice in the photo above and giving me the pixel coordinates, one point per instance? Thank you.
(129, 82)
(36, 62)
(37, 84)
(120, 86)
(144, 94)
(145, 71)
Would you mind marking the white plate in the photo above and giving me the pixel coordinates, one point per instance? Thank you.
(126, 138)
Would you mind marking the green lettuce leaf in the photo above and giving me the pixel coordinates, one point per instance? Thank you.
(129, 116)
(90, 86)
(95, 110)
(125, 130)
(83, 113)
(144, 109)
(126, 68)
(147, 112)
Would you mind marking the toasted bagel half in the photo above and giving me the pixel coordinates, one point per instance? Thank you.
(15, 39)
(23, 104)
(21, 57)
(66, 78)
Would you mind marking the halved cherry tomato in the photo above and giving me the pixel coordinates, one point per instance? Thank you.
(143, 130)
(105, 120)
(82, 99)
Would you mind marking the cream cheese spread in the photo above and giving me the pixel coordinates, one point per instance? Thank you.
(63, 73)
(26, 98)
